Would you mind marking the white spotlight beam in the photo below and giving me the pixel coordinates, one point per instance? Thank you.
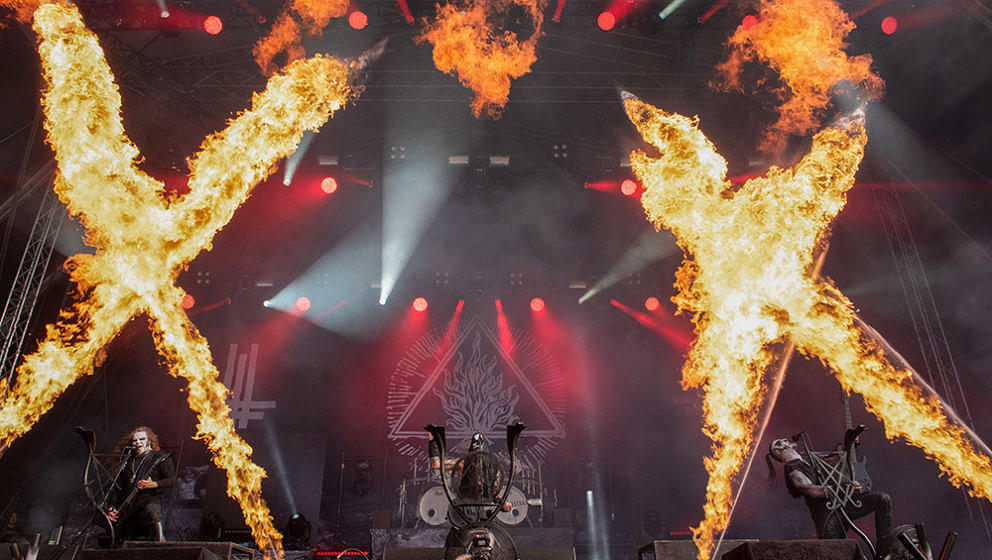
(412, 196)
(649, 248)
(294, 160)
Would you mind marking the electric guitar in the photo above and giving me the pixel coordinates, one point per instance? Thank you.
(140, 474)
(860, 473)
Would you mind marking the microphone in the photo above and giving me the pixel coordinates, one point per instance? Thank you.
(798, 436)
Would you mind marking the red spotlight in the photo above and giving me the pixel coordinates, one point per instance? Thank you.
(188, 302)
(329, 184)
(652, 304)
(889, 25)
(358, 20)
(420, 304)
(606, 21)
(749, 21)
(302, 303)
(213, 25)
(628, 187)
(537, 304)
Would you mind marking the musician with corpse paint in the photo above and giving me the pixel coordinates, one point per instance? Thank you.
(479, 478)
(146, 473)
(801, 479)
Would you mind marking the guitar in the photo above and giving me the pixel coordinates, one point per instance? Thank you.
(860, 473)
(140, 474)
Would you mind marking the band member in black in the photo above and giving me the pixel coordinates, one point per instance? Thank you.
(801, 479)
(146, 473)
(479, 480)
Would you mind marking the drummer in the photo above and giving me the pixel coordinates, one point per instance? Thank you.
(479, 475)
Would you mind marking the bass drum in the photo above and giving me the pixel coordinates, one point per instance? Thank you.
(433, 506)
(518, 508)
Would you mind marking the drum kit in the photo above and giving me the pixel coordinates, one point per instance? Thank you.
(432, 505)
(422, 500)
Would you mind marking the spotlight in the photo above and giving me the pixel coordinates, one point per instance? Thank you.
(358, 20)
(213, 25)
(749, 21)
(420, 304)
(628, 187)
(165, 13)
(652, 303)
(297, 533)
(329, 184)
(188, 302)
(537, 304)
(606, 21)
(302, 303)
(266, 303)
(889, 25)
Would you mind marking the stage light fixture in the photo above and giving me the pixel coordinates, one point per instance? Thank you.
(628, 187)
(652, 304)
(420, 304)
(889, 25)
(606, 21)
(302, 303)
(213, 25)
(266, 303)
(537, 304)
(357, 19)
(328, 184)
(188, 301)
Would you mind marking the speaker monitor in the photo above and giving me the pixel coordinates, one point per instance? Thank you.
(149, 553)
(797, 550)
(679, 550)
(437, 553)
(222, 550)
(44, 551)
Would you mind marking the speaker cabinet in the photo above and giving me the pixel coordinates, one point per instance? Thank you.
(679, 550)
(797, 550)
(437, 553)
(149, 553)
(222, 550)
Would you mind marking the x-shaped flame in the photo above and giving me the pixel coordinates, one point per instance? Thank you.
(748, 279)
(143, 239)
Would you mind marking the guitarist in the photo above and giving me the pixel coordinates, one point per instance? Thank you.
(801, 480)
(146, 473)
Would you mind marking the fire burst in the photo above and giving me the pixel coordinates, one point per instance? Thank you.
(143, 239)
(804, 41)
(301, 17)
(485, 58)
(748, 281)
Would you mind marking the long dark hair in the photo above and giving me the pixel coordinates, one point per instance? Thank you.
(126, 440)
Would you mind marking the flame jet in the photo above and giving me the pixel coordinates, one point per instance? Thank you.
(804, 42)
(143, 239)
(301, 17)
(748, 279)
(467, 43)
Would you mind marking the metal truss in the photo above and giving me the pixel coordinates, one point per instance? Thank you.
(16, 319)
(938, 360)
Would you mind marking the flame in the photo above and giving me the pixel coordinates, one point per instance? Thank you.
(143, 239)
(804, 41)
(748, 280)
(301, 17)
(484, 57)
